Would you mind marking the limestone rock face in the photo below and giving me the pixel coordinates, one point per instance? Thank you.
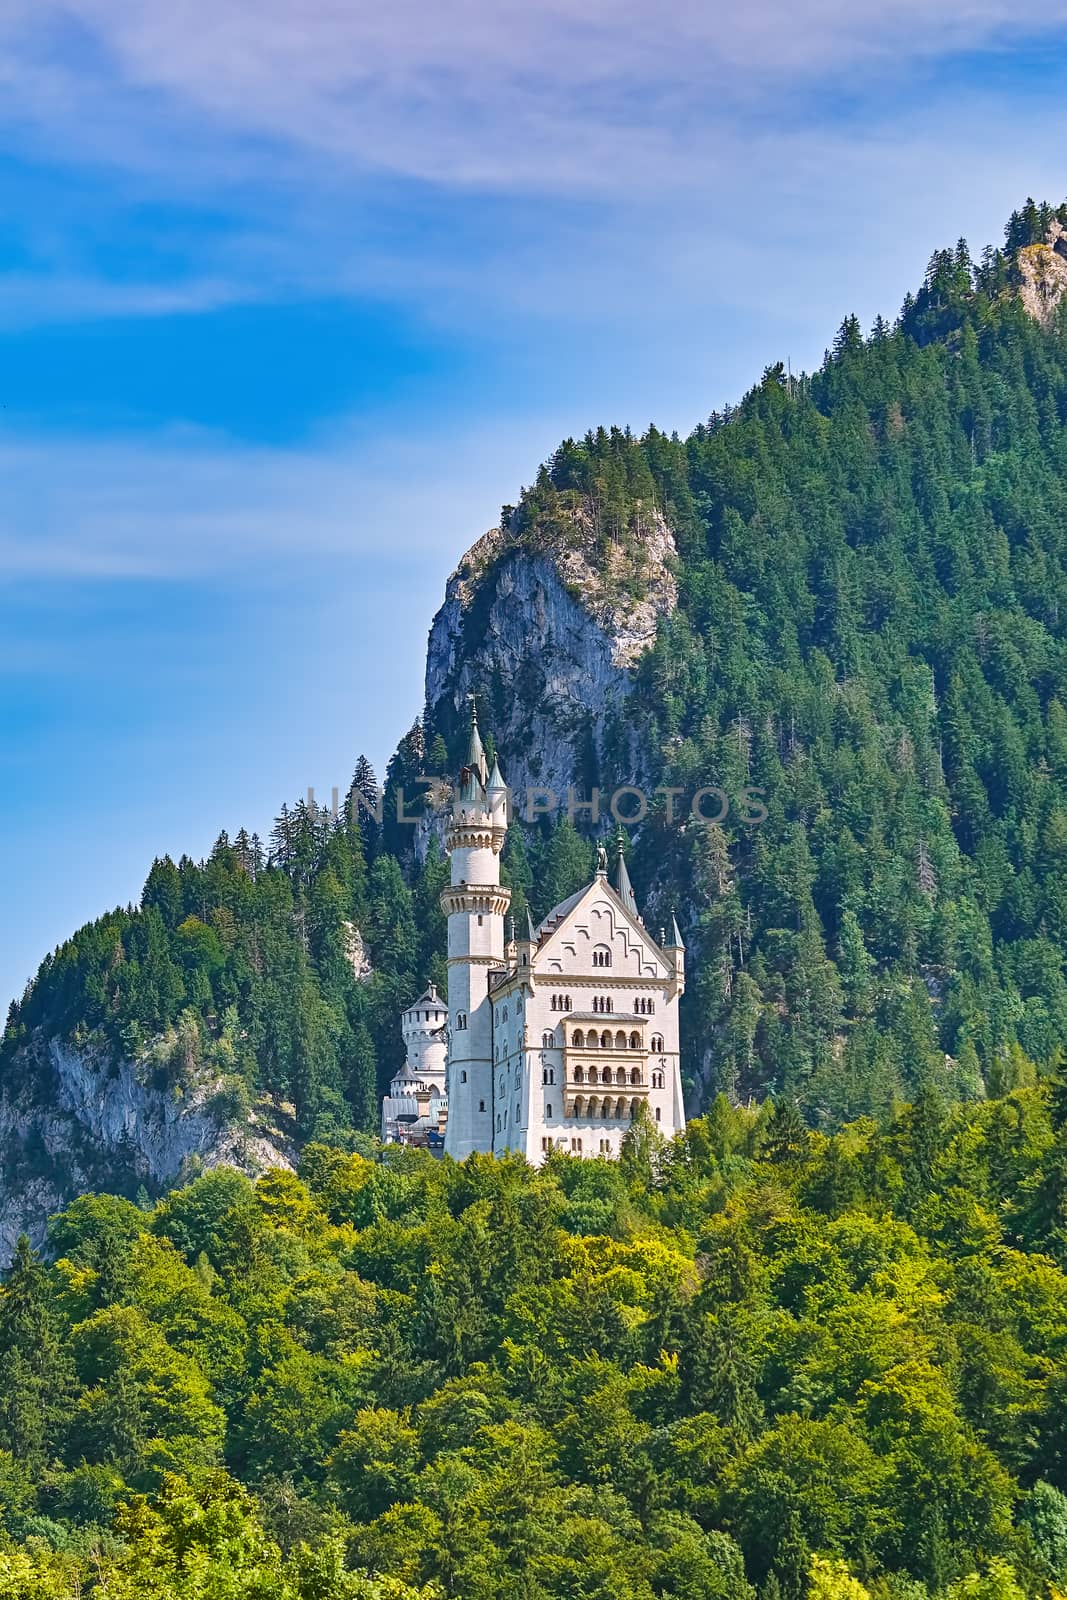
(1043, 270)
(72, 1121)
(550, 629)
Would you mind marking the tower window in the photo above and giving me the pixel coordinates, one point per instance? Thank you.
(548, 1108)
(461, 1019)
(481, 1105)
(463, 1077)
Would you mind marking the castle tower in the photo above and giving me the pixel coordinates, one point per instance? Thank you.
(475, 903)
(423, 1028)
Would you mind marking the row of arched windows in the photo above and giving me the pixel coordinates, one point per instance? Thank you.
(602, 1002)
(644, 1007)
(561, 1002)
(604, 1041)
(606, 1075)
(608, 1107)
(602, 956)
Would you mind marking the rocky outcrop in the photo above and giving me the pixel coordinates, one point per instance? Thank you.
(1043, 273)
(549, 630)
(71, 1120)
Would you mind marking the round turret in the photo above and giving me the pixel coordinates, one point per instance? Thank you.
(424, 1028)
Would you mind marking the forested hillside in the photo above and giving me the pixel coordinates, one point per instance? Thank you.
(870, 628)
(759, 1361)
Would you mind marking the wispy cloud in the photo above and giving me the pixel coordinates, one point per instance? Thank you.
(190, 506)
(482, 93)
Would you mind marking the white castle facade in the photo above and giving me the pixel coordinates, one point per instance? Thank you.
(555, 1039)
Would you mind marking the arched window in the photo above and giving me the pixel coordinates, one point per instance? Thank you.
(657, 1042)
(602, 956)
(635, 1076)
(637, 1006)
(594, 1106)
(620, 1076)
(635, 1041)
(463, 1077)
(461, 1019)
(547, 1039)
(605, 1040)
(633, 1108)
(579, 1106)
(591, 1041)
(579, 1039)
(620, 1040)
(548, 1108)
(579, 1075)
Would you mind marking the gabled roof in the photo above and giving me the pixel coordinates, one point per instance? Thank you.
(559, 917)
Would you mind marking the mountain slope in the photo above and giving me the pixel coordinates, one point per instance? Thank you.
(849, 593)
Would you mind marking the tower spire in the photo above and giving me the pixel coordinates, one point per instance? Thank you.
(623, 886)
(476, 753)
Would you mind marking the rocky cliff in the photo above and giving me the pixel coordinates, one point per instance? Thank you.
(1042, 272)
(550, 627)
(72, 1121)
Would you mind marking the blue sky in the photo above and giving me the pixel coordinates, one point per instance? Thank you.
(293, 297)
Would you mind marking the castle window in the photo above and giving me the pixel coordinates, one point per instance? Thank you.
(463, 1077)
(620, 1040)
(461, 1019)
(602, 956)
(605, 1040)
(635, 1076)
(481, 1105)
(657, 1042)
(657, 1114)
(548, 1108)
(579, 1075)
(547, 1039)
(635, 1041)
(479, 919)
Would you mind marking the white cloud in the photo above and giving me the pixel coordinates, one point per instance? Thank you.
(482, 93)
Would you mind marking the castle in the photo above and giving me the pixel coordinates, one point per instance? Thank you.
(554, 1039)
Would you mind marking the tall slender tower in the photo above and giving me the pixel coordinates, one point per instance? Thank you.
(474, 903)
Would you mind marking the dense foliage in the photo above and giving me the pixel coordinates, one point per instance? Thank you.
(755, 1360)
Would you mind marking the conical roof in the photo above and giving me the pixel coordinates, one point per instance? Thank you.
(476, 753)
(496, 778)
(676, 937)
(623, 887)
